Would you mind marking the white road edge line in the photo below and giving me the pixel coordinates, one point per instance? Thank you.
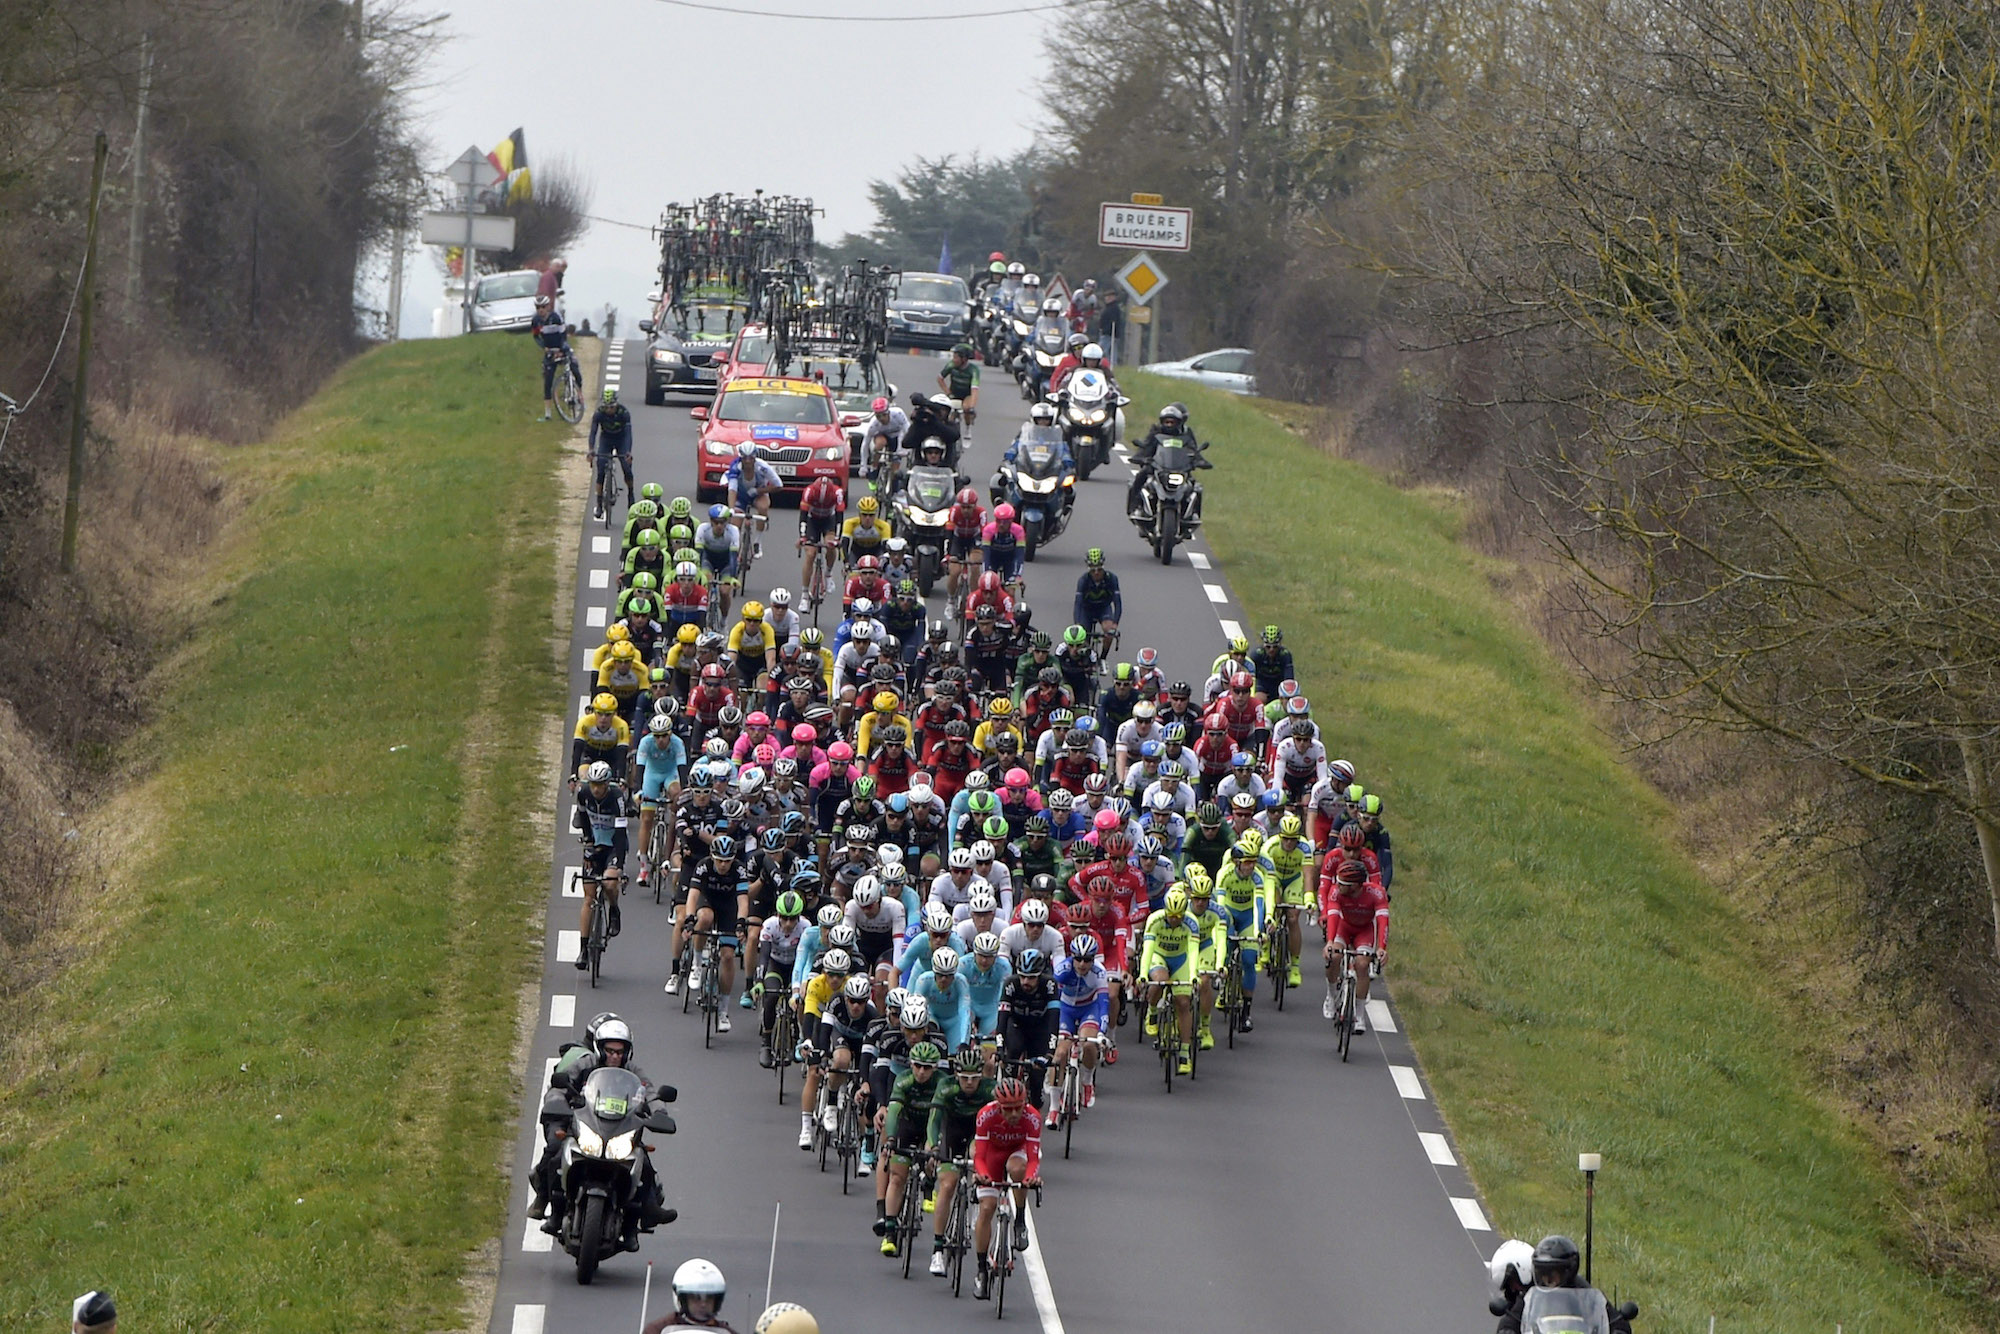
(1469, 1214)
(528, 1319)
(1038, 1281)
(562, 1012)
(1232, 630)
(1200, 562)
(572, 882)
(594, 618)
(534, 1241)
(1216, 592)
(602, 579)
(1437, 1148)
(1380, 1017)
(569, 944)
(1405, 1076)
(600, 545)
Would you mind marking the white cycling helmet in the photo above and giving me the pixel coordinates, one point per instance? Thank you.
(858, 987)
(919, 794)
(843, 936)
(961, 859)
(895, 873)
(746, 450)
(659, 724)
(867, 893)
(916, 1011)
(986, 944)
(862, 632)
(982, 851)
(828, 916)
(600, 772)
(944, 962)
(983, 901)
(889, 854)
(937, 917)
(781, 597)
(698, 1278)
(1034, 913)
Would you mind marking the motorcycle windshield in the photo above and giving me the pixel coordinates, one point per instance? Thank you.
(1173, 457)
(930, 488)
(612, 1096)
(1037, 458)
(1088, 388)
(1565, 1311)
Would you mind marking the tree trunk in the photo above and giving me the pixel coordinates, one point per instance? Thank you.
(1976, 782)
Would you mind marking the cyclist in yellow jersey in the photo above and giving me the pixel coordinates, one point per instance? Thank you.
(883, 715)
(601, 735)
(753, 644)
(1294, 868)
(617, 633)
(814, 659)
(999, 718)
(1169, 955)
(864, 534)
(1243, 895)
(622, 676)
(1213, 933)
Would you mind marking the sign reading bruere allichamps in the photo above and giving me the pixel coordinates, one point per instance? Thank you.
(1144, 227)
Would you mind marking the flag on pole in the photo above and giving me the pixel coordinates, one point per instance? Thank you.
(510, 158)
(944, 255)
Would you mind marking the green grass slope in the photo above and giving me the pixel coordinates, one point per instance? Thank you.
(1569, 981)
(273, 1096)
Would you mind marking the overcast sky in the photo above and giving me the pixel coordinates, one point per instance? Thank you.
(657, 102)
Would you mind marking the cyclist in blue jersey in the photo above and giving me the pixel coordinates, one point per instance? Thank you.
(1099, 605)
(948, 995)
(661, 759)
(750, 483)
(986, 977)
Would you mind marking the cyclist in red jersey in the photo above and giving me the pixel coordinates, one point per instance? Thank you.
(1214, 752)
(968, 520)
(1351, 847)
(990, 593)
(865, 582)
(1101, 914)
(1006, 1146)
(820, 510)
(1356, 914)
(707, 700)
(1241, 708)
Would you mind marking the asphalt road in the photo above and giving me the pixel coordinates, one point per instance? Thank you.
(1279, 1190)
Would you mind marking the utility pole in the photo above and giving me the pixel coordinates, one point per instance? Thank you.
(1229, 179)
(135, 241)
(78, 408)
(399, 240)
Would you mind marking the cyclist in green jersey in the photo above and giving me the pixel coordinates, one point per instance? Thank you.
(1293, 870)
(954, 1114)
(905, 1127)
(1171, 953)
(959, 381)
(1213, 934)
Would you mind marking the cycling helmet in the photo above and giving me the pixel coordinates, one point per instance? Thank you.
(864, 788)
(937, 918)
(1061, 800)
(828, 916)
(1371, 805)
(960, 859)
(600, 772)
(944, 962)
(986, 944)
(1011, 1093)
(982, 901)
(1083, 949)
(1243, 801)
(1170, 769)
(1096, 783)
(979, 780)
(869, 505)
(1117, 843)
(1037, 826)
(1034, 913)
(1161, 801)
(660, 724)
(892, 1001)
(840, 752)
(982, 851)
(1002, 513)
(1339, 773)
(702, 777)
(1176, 902)
(916, 1012)
(790, 905)
(1289, 826)
(843, 935)
(867, 892)
(1174, 732)
(836, 962)
(723, 848)
(857, 987)
(1032, 963)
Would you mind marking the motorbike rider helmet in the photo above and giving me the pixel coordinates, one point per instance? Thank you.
(998, 266)
(1016, 269)
(1092, 354)
(613, 1029)
(931, 445)
(1031, 280)
(699, 1278)
(1516, 1260)
(1555, 1262)
(1052, 306)
(1042, 414)
(1076, 341)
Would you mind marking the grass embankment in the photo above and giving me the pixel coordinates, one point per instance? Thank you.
(1568, 979)
(272, 1094)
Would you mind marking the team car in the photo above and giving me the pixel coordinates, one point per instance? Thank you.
(793, 421)
(686, 355)
(750, 354)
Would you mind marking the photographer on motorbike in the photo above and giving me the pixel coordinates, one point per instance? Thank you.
(1555, 1262)
(607, 1042)
(1173, 424)
(1050, 323)
(886, 425)
(931, 417)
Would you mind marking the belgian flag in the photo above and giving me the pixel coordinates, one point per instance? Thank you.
(510, 158)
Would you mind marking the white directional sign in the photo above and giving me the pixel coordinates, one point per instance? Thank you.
(490, 231)
(1144, 227)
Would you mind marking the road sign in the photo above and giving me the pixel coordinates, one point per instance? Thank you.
(1141, 315)
(474, 171)
(1142, 278)
(1057, 287)
(1152, 200)
(1141, 227)
(490, 231)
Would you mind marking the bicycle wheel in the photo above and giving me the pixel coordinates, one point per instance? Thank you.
(1000, 1254)
(1071, 1103)
(955, 1239)
(1343, 1014)
(686, 974)
(569, 395)
(1281, 962)
(783, 1042)
(909, 1215)
(600, 928)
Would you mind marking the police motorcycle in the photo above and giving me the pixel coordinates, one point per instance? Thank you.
(601, 1163)
(922, 511)
(1169, 506)
(1039, 481)
(1090, 413)
(1049, 345)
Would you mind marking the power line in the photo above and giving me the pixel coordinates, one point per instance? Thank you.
(635, 226)
(864, 18)
(11, 409)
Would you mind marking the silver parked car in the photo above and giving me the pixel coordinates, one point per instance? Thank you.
(1231, 368)
(505, 301)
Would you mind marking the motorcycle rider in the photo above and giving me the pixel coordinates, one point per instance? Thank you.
(1072, 358)
(1555, 1262)
(931, 418)
(995, 276)
(607, 1043)
(1041, 424)
(698, 1292)
(1051, 321)
(1010, 286)
(1172, 425)
(1512, 1270)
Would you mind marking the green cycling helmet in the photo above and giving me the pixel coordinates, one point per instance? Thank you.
(983, 802)
(681, 535)
(652, 491)
(927, 1055)
(967, 1062)
(646, 580)
(681, 507)
(962, 350)
(1076, 636)
(1355, 792)
(1094, 558)
(643, 509)
(1125, 672)
(639, 607)
(864, 788)
(610, 397)
(649, 538)
(790, 905)
(1273, 635)
(994, 827)
(1041, 640)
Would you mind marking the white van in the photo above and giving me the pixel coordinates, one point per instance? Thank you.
(505, 301)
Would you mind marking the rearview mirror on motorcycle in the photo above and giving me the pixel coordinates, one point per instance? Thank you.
(1497, 1305)
(667, 1093)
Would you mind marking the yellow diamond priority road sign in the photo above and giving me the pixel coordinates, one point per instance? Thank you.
(1142, 278)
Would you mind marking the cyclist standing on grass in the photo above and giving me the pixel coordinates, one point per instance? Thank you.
(612, 420)
(552, 334)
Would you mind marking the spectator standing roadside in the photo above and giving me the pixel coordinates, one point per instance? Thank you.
(93, 1313)
(551, 282)
(1111, 326)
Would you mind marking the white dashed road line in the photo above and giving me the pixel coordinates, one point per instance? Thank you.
(1406, 1079)
(1198, 560)
(1232, 630)
(528, 1319)
(533, 1241)
(1470, 1215)
(1216, 592)
(573, 882)
(600, 545)
(569, 944)
(1437, 1148)
(1038, 1281)
(562, 1012)
(600, 578)
(1380, 1017)
(594, 617)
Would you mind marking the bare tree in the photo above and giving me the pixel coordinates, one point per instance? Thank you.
(553, 217)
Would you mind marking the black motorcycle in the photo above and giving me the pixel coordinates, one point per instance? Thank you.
(1050, 343)
(1089, 418)
(602, 1162)
(1039, 484)
(1017, 333)
(1567, 1311)
(988, 321)
(923, 518)
(1170, 502)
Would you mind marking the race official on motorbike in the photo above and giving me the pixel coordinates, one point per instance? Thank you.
(1072, 358)
(607, 1043)
(1173, 424)
(1010, 286)
(1041, 425)
(1554, 1264)
(995, 276)
(698, 1292)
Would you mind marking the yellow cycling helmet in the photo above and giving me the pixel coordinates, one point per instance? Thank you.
(1247, 846)
(869, 505)
(1238, 645)
(617, 632)
(687, 634)
(885, 702)
(624, 650)
(1001, 707)
(1198, 880)
(605, 703)
(753, 610)
(1177, 901)
(1289, 826)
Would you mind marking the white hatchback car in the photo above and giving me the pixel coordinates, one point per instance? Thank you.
(505, 301)
(1230, 368)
